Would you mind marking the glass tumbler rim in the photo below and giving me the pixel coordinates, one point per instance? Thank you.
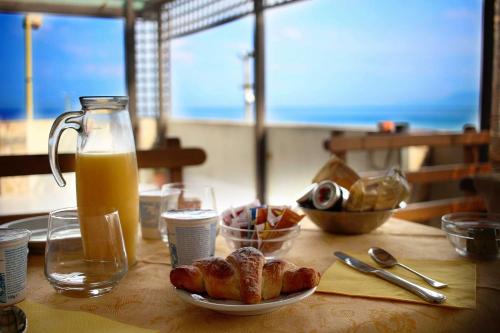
(186, 186)
(74, 212)
(452, 217)
(177, 188)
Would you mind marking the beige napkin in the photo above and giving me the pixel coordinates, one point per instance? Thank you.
(42, 318)
(460, 276)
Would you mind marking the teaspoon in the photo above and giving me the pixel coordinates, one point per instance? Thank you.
(385, 259)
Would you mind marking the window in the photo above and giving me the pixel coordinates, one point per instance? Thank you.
(208, 72)
(72, 57)
(359, 62)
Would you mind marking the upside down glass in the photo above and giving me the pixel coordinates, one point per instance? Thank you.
(69, 268)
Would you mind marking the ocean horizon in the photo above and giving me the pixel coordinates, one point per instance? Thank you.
(449, 117)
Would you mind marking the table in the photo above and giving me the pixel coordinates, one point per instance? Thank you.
(145, 297)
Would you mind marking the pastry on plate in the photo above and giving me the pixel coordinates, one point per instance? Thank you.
(244, 275)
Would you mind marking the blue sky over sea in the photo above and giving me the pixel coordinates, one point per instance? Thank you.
(335, 62)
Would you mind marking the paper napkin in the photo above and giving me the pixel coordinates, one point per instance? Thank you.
(460, 276)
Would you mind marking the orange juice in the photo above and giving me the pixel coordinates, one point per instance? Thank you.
(106, 183)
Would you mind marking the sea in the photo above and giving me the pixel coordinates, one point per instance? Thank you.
(445, 117)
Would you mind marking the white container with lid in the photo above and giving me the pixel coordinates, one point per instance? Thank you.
(13, 265)
(191, 234)
(150, 202)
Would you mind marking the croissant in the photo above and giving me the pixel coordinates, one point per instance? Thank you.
(244, 275)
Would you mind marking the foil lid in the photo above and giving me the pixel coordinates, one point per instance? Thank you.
(326, 195)
(9, 236)
(190, 214)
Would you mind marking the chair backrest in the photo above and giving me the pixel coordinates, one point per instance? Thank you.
(171, 157)
(471, 142)
(168, 157)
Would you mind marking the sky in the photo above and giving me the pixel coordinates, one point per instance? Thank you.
(374, 52)
(72, 57)
(330, 52)
(318, 53)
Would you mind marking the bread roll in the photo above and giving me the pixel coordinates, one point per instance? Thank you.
(337, 171)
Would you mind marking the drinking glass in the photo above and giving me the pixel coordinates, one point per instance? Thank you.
(69, 267)
(188, 222)
(185, 197)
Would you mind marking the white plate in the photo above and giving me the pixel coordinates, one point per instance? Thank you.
(38, 227)
(240, 309)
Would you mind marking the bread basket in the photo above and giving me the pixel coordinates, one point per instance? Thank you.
(349, 223)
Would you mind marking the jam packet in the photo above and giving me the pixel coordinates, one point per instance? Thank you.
(260, 223)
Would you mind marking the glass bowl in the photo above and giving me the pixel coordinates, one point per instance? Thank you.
(272, 243)
(475, 235)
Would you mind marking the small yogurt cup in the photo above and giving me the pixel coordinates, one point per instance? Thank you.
(13, 265)
(150, 204)
(191, 234)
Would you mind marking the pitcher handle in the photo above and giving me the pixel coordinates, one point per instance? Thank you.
(67, 120)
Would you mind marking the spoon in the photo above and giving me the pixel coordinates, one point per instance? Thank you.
(385, 259)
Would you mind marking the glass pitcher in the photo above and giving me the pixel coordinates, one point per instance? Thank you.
(106, 167)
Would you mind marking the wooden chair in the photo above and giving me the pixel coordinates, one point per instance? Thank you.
(171, 157)
(471, 142)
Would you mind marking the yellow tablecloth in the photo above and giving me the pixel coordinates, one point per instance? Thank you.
(43, 318)
(145, 297)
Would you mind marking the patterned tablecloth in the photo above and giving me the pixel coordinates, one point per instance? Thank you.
(145, 298)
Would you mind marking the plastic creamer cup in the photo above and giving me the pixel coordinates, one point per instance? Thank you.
(13, 265)
(150, 202)
(191, 234)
